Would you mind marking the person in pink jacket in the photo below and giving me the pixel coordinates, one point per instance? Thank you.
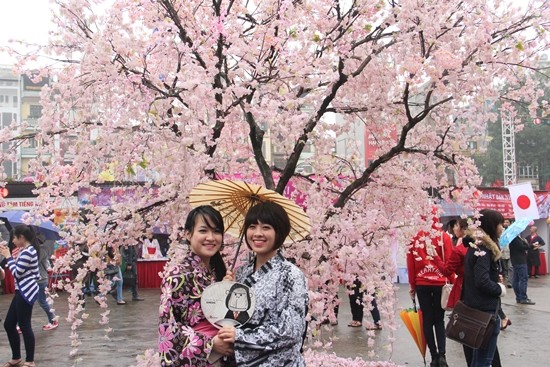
(426, 282)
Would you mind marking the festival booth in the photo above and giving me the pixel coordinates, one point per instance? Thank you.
(498, 198)
(19, 199)
(151, 252)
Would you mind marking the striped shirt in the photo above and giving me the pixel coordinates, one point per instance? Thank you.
(25, 273)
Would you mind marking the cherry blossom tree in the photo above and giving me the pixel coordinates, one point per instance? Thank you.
(187, 91)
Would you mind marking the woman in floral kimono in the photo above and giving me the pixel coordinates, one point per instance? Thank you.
(274, 335)
(186, 338)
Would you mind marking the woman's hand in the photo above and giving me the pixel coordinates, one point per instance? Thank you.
(229, 275)
(227, 334)
(5, 251)
(412, 293)
(222, 347)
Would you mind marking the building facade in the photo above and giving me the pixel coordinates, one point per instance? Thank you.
(10, 107)
(19, 102)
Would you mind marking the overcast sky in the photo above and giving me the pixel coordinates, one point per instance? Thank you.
(27, 20)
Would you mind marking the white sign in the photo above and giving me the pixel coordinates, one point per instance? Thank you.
(18, 203)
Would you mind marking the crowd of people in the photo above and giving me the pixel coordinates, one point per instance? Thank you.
(470, 258)
(480, 269)
(28, 259)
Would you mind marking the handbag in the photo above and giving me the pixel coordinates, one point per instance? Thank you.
(447, 288)
(470, 327)
(110, 269)
(445, 293)
(128, 278)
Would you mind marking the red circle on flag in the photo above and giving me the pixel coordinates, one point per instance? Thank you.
(523, 202)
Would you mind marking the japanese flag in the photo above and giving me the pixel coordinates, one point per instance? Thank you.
(523, 201)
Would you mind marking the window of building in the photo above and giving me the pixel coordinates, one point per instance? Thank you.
(35, 111)
(31, 143)
(7, 119)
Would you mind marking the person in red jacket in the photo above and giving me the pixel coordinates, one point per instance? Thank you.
(426, 282)
(454, 264)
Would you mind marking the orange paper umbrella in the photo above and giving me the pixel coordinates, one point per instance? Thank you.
(233, 199)
(412, 318)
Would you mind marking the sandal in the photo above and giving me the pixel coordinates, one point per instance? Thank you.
(121, 302)
(9, 364)
(374, 327)
(28, 364)
(355, 324)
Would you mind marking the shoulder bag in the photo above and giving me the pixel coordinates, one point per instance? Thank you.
(447, 287)
(110, 270)
(445, 292)
(470, 327)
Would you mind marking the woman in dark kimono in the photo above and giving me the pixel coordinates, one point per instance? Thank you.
(274, 335)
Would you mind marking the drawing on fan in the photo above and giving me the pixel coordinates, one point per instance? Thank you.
(227, 303)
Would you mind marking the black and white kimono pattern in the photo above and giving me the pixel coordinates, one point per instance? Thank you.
(273, 337)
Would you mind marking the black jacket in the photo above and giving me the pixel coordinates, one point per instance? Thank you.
(481, 289)
(518, 251)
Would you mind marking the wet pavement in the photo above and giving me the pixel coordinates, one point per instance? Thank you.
(134, 329)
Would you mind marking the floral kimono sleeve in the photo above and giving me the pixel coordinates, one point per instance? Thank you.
(178, 343)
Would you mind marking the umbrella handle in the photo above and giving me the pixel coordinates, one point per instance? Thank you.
(414, 305)
(237, 253)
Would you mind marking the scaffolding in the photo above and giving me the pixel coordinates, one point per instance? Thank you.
(508, 148)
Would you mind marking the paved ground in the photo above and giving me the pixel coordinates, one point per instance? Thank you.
(525, 343)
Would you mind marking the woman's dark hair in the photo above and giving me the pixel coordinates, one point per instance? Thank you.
(269, 213)
(23, 230)
(490, 219)
(214, 220)
(462, 223)
(451, 225)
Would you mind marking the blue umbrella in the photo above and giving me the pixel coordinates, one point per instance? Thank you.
(513, 231)
(41, 225)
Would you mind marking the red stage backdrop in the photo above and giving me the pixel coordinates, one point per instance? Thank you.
(499, 199)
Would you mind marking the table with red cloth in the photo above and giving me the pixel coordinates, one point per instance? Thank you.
(543, 269)
(148, 272)
(9, 283)
(148, 275)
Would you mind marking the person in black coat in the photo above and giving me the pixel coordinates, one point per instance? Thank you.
(482, 289)
(518, 257)
(129, 255)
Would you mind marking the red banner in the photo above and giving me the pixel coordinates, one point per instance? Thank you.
(499, 199)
